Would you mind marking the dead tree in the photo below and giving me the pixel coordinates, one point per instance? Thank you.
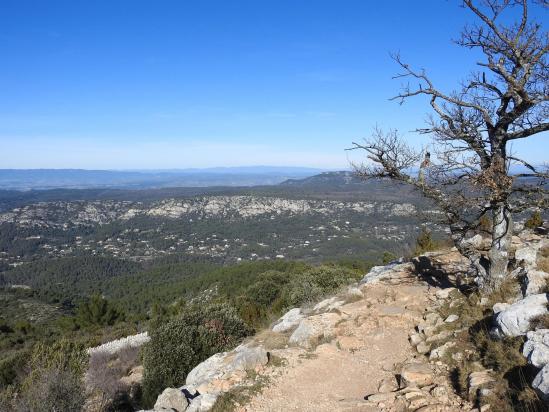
(473, 127)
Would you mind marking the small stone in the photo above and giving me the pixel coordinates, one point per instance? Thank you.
(451, 318)
(415, 339)
(416, 374)
(423, 348)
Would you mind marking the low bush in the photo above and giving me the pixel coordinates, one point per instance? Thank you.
(180, 344)
(534, 220)
(54, 382)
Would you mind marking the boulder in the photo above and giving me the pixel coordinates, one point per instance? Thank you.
(206, 371)
(536, 348)
(172, 399)
(535, 282)
(541, 383)
(416, 375)
(312, 329)
(223, 370)
(515, 319)
(499, 307)
(289, 321)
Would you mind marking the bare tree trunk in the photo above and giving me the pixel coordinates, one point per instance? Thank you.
(499, 252)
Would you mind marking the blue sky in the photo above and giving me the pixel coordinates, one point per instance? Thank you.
(117, 84)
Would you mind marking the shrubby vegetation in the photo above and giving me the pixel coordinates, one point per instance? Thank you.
(54, 381)
(180, 344)
(535, 220)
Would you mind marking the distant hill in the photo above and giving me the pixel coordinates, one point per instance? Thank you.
(27, 179)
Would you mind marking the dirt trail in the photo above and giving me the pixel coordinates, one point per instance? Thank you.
(367, 348)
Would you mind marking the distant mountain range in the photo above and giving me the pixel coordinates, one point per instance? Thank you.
(27, 179)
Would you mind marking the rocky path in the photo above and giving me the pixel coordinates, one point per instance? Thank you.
(358, 356)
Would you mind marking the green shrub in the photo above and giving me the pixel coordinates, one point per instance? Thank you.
(424, 242)
(55, 381)
(53, 390)
(268, 288)
(387, 257)
(11, 368)
(534, 220)
(179, 345)
(97, 311)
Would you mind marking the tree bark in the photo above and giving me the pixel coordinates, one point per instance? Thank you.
(499, 252)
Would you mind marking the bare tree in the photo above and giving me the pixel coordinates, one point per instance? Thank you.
(473, 127)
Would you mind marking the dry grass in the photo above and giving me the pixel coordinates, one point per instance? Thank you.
(476, 350)
(543, 259)
(272, 340)
(240, 395)
(540, 322)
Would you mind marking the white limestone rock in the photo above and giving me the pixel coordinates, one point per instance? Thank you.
(536, 348)
(451, 318)
(500, 306)
(541, 383)
(535, 282)
(202, 403)
(515, 319)
(115, 346)
(312, 329)
(378, 273)
(527, 255)
(171, 399)
(208, 376)
(290, 320)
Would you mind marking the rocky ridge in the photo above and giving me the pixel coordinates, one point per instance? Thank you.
(84, 213)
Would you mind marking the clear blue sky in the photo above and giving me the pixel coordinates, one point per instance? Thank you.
(177, 83)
